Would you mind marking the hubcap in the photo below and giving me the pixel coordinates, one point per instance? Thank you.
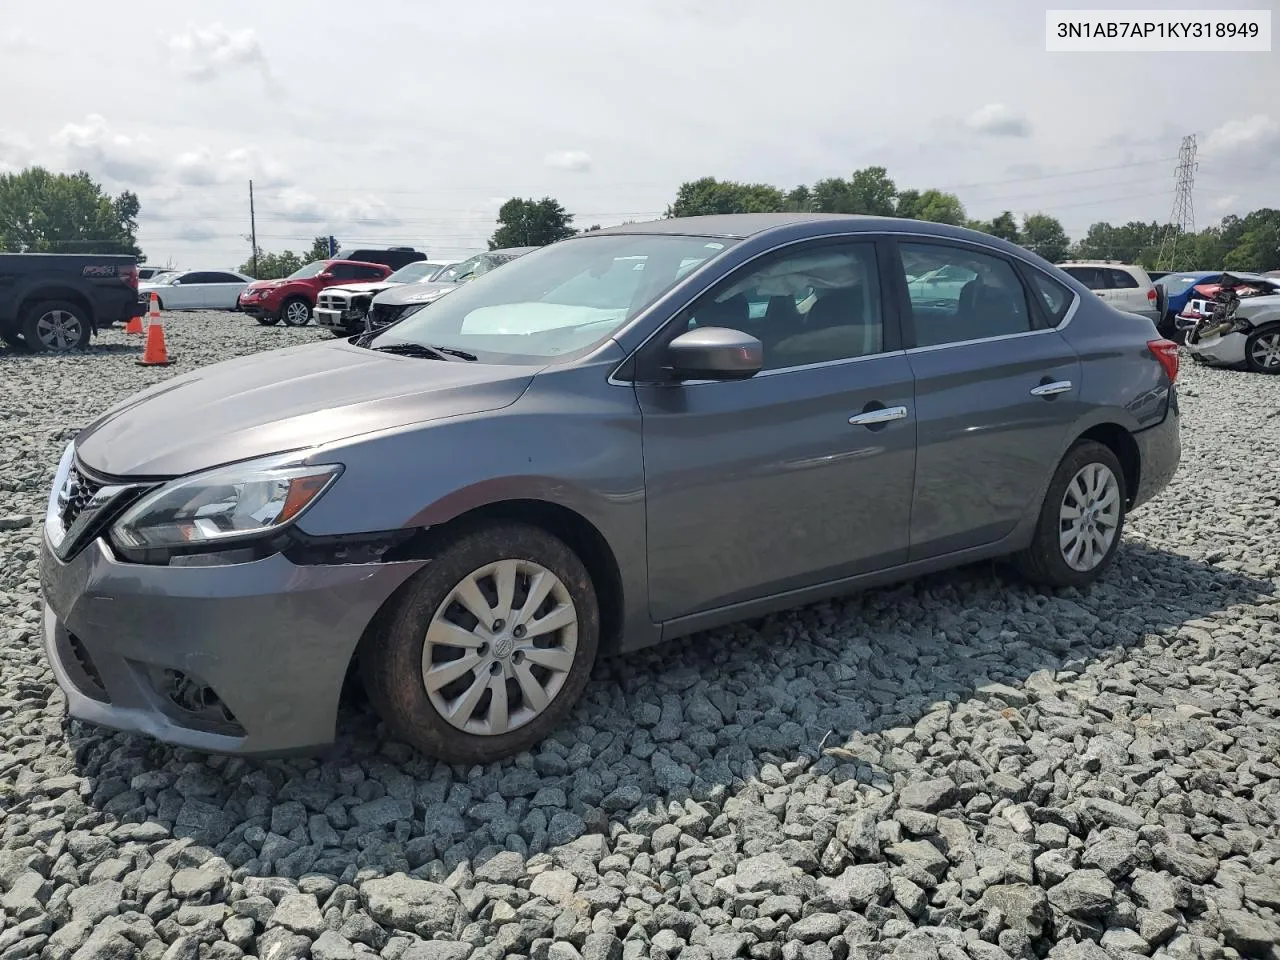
(499, 648)
(1089, 517)
(59, 330)
(1266, 351)
(297, 313)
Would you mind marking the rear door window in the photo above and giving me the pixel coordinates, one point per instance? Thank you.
(1121, 280)
(1091, 277)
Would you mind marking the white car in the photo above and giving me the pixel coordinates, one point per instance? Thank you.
(1126, 286)
(342, 308)
(1250, 339)
(1200, 300)
(196, 289)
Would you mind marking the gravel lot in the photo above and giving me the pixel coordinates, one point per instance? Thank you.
(953, 768)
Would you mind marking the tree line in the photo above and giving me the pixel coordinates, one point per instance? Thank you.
(45, 212)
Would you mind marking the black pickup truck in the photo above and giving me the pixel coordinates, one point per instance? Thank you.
(56, 301)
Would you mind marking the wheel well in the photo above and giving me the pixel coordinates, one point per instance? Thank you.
(576, 531)
(1122, 444)
(55, 293)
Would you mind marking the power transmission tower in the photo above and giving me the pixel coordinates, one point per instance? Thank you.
(1182, 220)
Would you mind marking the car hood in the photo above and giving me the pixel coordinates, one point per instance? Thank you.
(284, 400)
(367, 286)
(414, 293)
(266, 284)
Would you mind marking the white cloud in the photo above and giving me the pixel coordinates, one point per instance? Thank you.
(369, 211)
(17, 40)
(95, 147)
(1253, 140)
(203, 53)
(15, 152)
(297, 205)
(575, 161)
(1225, 204)
(200, 166)
(998, 120)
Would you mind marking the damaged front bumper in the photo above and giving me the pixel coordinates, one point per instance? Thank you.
(1221, 343)
(242, 658)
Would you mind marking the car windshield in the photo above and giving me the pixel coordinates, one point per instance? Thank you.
(413, 272)
(310, 270)
(561, 300)
(1175, 284)
(473, 267)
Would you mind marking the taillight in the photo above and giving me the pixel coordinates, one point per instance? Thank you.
(129, 275)
(1166, 351)
(1151, 295)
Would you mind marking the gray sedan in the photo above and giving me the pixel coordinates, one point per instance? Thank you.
(627, 436)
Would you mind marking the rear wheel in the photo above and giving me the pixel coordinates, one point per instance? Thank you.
(296, 312)
(1081, 520)
(489, 648)
(1262, 351)
(56, 326)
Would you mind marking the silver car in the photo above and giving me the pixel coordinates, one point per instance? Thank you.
(631, 435)
(391, 305)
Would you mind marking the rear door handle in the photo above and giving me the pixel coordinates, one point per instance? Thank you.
(1051, 389)
(883, 415)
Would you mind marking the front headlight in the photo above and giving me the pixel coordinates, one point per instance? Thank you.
(224, 506)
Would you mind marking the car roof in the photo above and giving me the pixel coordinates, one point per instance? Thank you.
(733, 225)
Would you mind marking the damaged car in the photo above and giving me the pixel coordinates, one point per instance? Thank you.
(634, 434)
(1234, 322)
(342, 309)
(395, 304)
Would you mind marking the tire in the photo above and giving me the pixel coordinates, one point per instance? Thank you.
(395, 657)
(1045, 562)
(296, 312)
(268, 321)
(1262, 350)
(56, 326)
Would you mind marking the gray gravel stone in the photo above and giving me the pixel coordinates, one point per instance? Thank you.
(956, 766)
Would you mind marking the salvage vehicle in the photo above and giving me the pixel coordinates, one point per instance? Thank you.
(57, 301)
(342, 309)
(570, 457)
(1237, 324)
(1183, 288)
(196, 289)
(292, 298)
(392, 305)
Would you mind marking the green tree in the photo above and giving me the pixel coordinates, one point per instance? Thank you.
(531, 223)
(708, 195)
(273, 266)
(937, 207)
(1005, 227)
(1044, 235)
(320, 250)
(867, 191)
(43, 212)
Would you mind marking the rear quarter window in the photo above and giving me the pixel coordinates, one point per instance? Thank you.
(1055, 299)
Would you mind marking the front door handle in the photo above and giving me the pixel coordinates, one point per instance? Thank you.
(1051, 389)
(873, 417)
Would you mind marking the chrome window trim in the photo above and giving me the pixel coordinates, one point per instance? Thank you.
(867, 237)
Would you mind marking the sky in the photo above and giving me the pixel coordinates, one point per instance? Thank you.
(394, 122)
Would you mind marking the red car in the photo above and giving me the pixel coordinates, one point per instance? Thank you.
(292, 298)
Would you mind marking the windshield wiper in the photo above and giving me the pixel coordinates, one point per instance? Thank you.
(407, 349)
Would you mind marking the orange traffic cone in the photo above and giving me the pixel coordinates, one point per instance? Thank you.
(153, 315)
(134, 325)
(155, 354)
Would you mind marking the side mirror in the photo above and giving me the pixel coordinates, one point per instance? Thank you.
(715, 353)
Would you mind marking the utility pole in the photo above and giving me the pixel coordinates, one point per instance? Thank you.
(1182, 220)
(253, 231)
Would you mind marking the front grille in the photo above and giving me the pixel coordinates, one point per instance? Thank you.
(79, 491)
(331, 302)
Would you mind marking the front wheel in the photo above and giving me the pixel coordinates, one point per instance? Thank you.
(1081, 520)
(489, 648)
(296, 312)
(56, 326)
(1262, 351)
